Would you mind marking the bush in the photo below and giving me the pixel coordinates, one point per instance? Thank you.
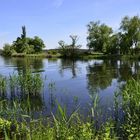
(8, 50)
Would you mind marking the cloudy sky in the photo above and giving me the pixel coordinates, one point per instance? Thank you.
(55, 20)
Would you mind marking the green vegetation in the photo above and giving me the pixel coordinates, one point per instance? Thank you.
(126, 41)
(24, 83)
(24, 45)
(131, 107)
(17, 121)
(69, 51)
(101, 39)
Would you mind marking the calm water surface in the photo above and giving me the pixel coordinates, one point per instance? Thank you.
(74, 82)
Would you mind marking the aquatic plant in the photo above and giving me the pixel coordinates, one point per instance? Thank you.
(2, 84)
(131, 108)
(17, 120)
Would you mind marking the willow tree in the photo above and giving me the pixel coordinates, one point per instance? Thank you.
(99, 36)
(130, 28)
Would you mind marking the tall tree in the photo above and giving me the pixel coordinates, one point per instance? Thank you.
(28, 45)
(114, 44)
(37, 43)
(130, 27)
(99, 36)
(23, 35)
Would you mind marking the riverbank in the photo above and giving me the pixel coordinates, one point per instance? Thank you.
(110, 56)
(83, 55)
(43, 55)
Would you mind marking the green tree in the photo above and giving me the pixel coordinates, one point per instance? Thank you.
(28, 45)
(99, 36)
(114, 44)
(23, 35)
(130, 27)
(21, 43)
(73, 48)
(37, 43)
(63, 49)
(69, 50)
(7, 50)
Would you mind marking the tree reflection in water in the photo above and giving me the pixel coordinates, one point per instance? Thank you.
(101, 75)
(68, 64)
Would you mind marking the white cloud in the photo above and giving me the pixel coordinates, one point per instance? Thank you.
(58, 3)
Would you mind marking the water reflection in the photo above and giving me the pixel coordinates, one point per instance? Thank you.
(80, 79)
(23, 64)
(68, 65)
(101, 75)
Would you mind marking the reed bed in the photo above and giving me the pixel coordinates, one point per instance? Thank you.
(17, 122)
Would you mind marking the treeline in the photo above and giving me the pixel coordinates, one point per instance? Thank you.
(101, 38)
(24, 44)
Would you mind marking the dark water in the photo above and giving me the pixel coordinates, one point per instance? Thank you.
(74, 83)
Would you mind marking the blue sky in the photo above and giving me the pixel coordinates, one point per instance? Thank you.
(55, 20)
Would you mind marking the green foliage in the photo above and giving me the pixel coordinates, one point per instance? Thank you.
(114, 44)
(38, 44)
(23, 35)
(130, 35)
(30, 83)
(131, 107)
(8, 50)
(4, 124)
(25, 83)
(71, 50)
(63, 126)
(99, 36)
(24, 45)
(2, 84)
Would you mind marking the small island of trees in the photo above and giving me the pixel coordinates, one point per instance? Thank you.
(24, 45)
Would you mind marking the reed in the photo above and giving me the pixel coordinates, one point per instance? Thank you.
(18, 123)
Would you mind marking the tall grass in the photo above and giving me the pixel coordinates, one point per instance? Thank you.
(2, 84)
(131, 108)
(23, 84)
(17, 122)
(19, 125)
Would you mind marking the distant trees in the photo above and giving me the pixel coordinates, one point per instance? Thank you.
(70, 50)
(24, 44)
(99, 36)
(102, 39)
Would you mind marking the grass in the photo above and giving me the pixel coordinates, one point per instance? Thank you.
(23, 83)
(42, 55)
(18, 123)
(131, 107)
(81, 55)
(61, 127)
